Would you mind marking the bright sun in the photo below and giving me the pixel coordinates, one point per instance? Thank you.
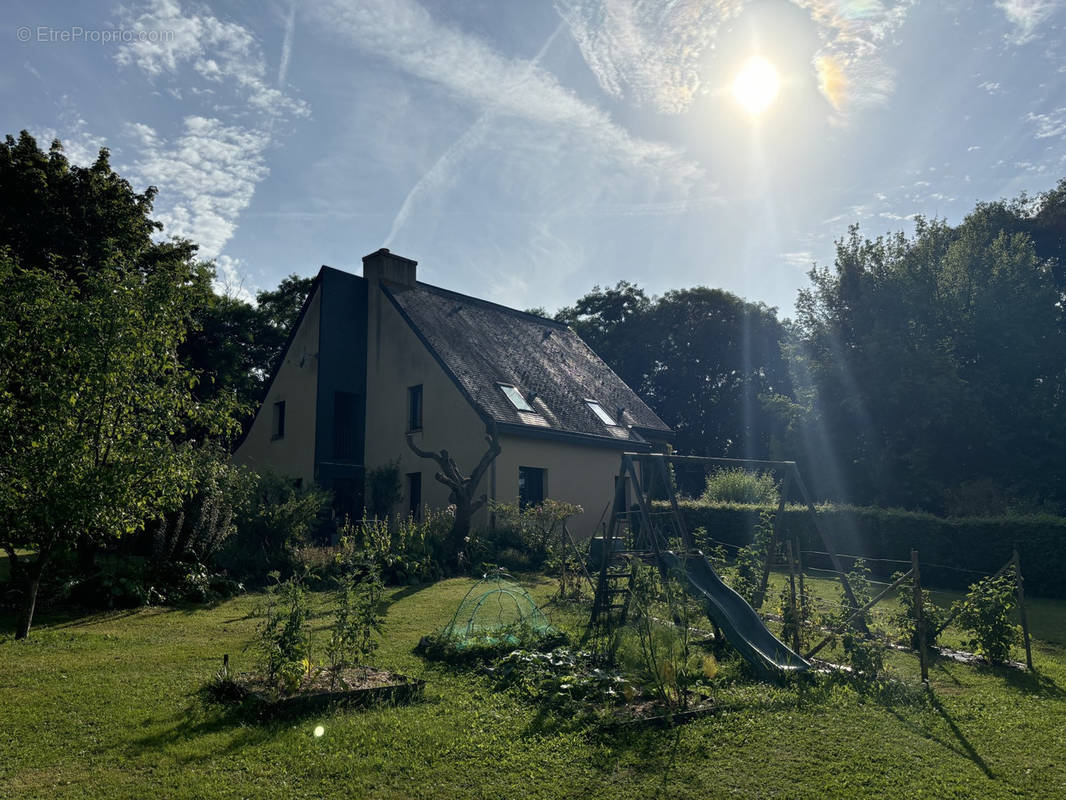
(756, 85)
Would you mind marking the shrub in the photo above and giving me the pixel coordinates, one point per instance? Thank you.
(406, 550)
(986, 612)
(536, 530)
(798, 620)
(982, 544)
(663, 655)
(738, 485)
(907, 617)
(383, 489)
(194, 533)
(865, 656)
(279, 517)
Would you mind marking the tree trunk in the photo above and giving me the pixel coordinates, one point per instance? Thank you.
(459, 533)
(28, 605)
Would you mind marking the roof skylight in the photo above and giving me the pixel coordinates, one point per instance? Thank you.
(516, 398)
(598, 410)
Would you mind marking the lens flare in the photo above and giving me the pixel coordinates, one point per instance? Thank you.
(756, 85)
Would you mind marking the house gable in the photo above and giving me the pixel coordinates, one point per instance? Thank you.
(292, 389)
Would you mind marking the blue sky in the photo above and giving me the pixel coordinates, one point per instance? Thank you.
(524, 151)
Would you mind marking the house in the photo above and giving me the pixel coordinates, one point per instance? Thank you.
(372, 359)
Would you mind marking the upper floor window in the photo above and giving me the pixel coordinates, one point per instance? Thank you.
(277, 428)
(599, 411)
(347, 426)
(414, 408)
(515, 396)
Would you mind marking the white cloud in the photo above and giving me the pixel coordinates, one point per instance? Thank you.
(991, 87)
(207, 177)
(851, 72)
(1051, 124)
(646, 49)
(286, 46)
(802, 259)
(207, 170)
(231, 279)
(81, 146)
(405, 34)
(653, 52)
(1027, 16)
(218, 52)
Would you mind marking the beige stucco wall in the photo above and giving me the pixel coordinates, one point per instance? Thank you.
(575, 474)
(397, 359)
(296, 383)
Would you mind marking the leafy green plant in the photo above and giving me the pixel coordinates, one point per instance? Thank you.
(358, 618)
(798, 619)
(866, 656)
(383, 489)
(490, 645)
(907, 617)
(536, 530)
(406, 550)
(280, 517)
(663, 654)
(563, 677)
(986, 612)
(284, 638)
(739, 485)
(751, 560)
(859, 578)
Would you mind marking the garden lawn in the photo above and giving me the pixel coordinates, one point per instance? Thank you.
(106, 706)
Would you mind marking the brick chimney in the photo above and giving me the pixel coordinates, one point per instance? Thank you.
(385, 266)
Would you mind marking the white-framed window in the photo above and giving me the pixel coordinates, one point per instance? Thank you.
(515, 396)
(600, 412)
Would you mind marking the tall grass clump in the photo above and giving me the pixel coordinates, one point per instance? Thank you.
(738, 485)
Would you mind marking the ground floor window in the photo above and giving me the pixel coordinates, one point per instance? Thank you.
(531, 486)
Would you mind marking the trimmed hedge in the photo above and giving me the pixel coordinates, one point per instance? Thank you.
(982, 544)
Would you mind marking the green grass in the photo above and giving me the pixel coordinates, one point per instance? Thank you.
(105, 706)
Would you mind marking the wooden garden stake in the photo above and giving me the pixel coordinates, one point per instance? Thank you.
(792, 597)
(1021, 609)
(921, 615)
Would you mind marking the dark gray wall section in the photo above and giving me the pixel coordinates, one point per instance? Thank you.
(341, 367)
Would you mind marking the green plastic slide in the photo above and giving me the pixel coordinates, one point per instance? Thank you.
(739, 622)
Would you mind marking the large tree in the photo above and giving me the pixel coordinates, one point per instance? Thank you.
(936, 365)
(95, 404)
(704, 359)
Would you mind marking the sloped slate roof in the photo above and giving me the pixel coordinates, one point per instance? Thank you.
(483, 345)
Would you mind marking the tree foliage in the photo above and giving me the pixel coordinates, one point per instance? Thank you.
(933, 365)
(95, 405)
(704, 359)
